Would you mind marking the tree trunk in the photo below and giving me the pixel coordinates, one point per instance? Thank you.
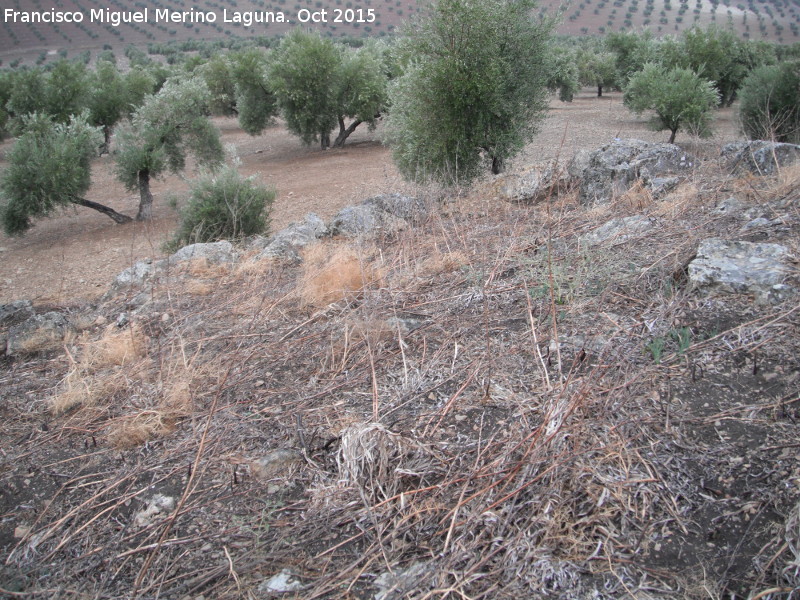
(106, 140)
(145, 197)
(497, 165)
(672, 137)
(599, 90)
(117, 217)
(325, 140)
(344, 132)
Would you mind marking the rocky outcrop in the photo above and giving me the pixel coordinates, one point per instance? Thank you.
(759, 157)
(742, 268)
(287, 243)
(534, 185)
(619, 229)
(614, 168)
(213, 252)
(39, 332)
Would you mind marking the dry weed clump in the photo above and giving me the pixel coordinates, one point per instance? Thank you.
(89, 379)
(333, 272)
(443, 262)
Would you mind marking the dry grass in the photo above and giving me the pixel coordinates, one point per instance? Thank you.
(333, 272)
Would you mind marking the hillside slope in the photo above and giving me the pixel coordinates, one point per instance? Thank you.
(484, 405)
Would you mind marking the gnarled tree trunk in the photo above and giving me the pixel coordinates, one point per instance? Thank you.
(344, 132)
(145, 196)
(106, 210)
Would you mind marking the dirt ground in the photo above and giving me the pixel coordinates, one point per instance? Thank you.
(74, 256)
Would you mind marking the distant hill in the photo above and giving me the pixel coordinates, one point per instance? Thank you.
(30, 29)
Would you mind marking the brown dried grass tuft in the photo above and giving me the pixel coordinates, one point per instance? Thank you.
(88, 380)
(333, 272)
(446, 262)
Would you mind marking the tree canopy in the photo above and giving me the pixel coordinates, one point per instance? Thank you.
(473, 89)
(168, 127)
(49, 167)
(678, 97)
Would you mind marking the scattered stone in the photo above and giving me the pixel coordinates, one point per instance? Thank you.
(283, 582)
(534, 185)
(40, 332)
(135, 276)
(619, 229)
(615, 167)
(287, 242)
(408, 208)
(397, 585)
(742, 268)
(15, 312)
(759, 157)
(275, 463)
(364, 220)
(579, 163)
(213, 252)
(730, 205)
(158, 504)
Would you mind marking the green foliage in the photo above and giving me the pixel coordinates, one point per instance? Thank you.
(303, 76)
(254, 100)
(169, 126)
(679, 98)
(473, 89)
(225, 206)
(216, 72)
(631, 52)
(769, 108)
(597, 68)
(361, 89)
(562, 73)
(48, 167)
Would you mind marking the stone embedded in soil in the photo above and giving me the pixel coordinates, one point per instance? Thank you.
(619, 229)
(288, 241)
(759, 157)
(616, 167)
(742, 268)
(40, 332)
(213, 252)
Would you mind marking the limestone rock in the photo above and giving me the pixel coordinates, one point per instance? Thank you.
(364, 220)
(615, 167)
(287, 242)
(39, 332)
(281, 583)
(408, 208)
(213, 252)
(534, 185)
(15, 312)
(742, 268)
(619, 229)
(759, 157)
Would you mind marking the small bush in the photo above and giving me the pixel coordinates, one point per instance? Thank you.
(225, 206)
(769, 109)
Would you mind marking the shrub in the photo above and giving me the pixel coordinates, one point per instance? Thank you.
(224, 206)
(769, 108)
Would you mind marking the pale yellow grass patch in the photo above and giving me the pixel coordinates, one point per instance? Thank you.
(332, 272)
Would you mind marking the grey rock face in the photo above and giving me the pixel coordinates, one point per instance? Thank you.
(15, 312)
(615, 167)
(39, 332)
(619, 229)
(534, 185)
(759, 157)
(214, 252)
(364, 220)
(403, 207)
(742, 268)
(287, 242)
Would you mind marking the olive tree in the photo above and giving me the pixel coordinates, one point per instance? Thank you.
(769, 107)
(678, 97)
(255, 102)
(49, 167)
(473, 90)
(168, 127)
(319, 84)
